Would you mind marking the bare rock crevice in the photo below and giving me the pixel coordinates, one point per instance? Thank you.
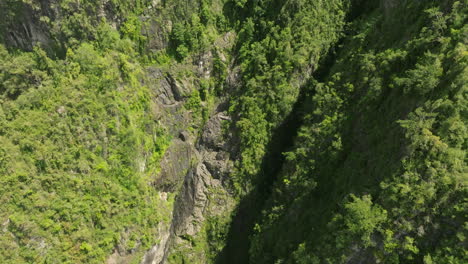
(203, 194)
(197, 164)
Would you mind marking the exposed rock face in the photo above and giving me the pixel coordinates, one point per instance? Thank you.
(156, 32)
(196, 166)
(168, 102)
(26, 30)
(203, 194)
(207, 173)
(168, 105)
(156, 254)
(164, 86)
(215, 150)
(192, 202)
(176, 162)
(41, 22)
(169, 97)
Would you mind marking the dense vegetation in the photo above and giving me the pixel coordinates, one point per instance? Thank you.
(78, 141)
(376, 172)
(79, 131)
(278, 49)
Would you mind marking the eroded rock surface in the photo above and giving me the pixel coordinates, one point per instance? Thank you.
(203, 194)
(197, 164)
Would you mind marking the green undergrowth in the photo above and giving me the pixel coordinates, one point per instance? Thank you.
(79, 143)
(79, 138)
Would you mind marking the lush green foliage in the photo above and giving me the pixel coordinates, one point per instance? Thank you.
(378, 173)
(196, 27)
(279, 43)
(78, 143)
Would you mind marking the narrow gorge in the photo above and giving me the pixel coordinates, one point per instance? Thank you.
(233, 131)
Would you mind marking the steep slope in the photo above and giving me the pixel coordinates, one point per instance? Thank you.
(378, 169)
(233, 131)
(93, 102)
(278, 46)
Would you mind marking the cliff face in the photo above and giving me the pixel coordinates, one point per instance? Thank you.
(196, 168)
(21, 24)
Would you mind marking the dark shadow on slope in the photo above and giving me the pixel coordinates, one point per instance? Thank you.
(327, 197)
(249, 209)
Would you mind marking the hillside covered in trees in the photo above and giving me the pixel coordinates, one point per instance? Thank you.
(233, 131)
